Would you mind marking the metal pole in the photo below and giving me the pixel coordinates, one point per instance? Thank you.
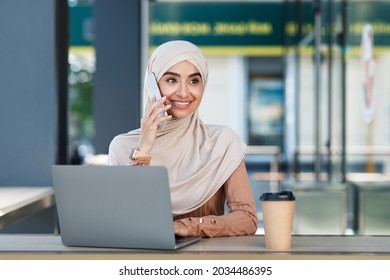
(330, 82)
(298, 15)
(317, 123)
(343, 92)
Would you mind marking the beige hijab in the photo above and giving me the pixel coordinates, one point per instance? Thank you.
(199, 157)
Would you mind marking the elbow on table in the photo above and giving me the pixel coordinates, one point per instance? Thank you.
(253, 228)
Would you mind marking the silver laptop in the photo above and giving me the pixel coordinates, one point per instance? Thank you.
(115, 206)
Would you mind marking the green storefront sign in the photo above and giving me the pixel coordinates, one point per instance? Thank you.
(222, 27)
(376, 13)
(244, 28)
(81, 26)
(259, 28)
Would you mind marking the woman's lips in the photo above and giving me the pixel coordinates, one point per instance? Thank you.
(181, 104)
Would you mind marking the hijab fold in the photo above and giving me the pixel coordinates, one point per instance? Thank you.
(199, 157)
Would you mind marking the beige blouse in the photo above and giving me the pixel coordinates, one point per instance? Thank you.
(209, 219)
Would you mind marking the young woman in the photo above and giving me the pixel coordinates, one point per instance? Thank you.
(205, 163)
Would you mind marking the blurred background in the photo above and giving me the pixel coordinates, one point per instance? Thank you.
(304, 83)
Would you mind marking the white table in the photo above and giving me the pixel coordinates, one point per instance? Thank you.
(17, 203)
(240, 247)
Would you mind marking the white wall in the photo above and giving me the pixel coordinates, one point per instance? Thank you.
(224, 101)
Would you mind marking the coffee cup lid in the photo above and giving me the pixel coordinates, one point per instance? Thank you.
(277, 196)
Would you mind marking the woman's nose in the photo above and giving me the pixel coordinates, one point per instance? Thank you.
(183, 90)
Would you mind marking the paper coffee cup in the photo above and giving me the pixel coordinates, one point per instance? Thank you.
(278, 212)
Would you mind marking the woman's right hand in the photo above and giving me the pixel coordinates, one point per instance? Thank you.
(150, 123)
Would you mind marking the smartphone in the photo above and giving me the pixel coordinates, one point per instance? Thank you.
(153, 90)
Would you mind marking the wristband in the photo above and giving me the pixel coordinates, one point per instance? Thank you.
(139, 158)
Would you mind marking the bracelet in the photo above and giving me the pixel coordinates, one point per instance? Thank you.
(139, 158)
(140, 161)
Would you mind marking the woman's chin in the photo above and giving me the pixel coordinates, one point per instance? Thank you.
(179, 114)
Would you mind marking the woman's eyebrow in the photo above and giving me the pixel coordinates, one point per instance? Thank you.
(172, 74)
(178, 75)
(195, 74)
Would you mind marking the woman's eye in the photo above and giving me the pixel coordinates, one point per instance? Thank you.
(171, 80)
(194, 81)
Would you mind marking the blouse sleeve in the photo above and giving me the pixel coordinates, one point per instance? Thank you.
(242, 217)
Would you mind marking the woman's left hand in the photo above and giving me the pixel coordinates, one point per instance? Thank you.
(180, 229)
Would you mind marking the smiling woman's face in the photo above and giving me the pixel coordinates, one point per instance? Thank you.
(182, 85)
